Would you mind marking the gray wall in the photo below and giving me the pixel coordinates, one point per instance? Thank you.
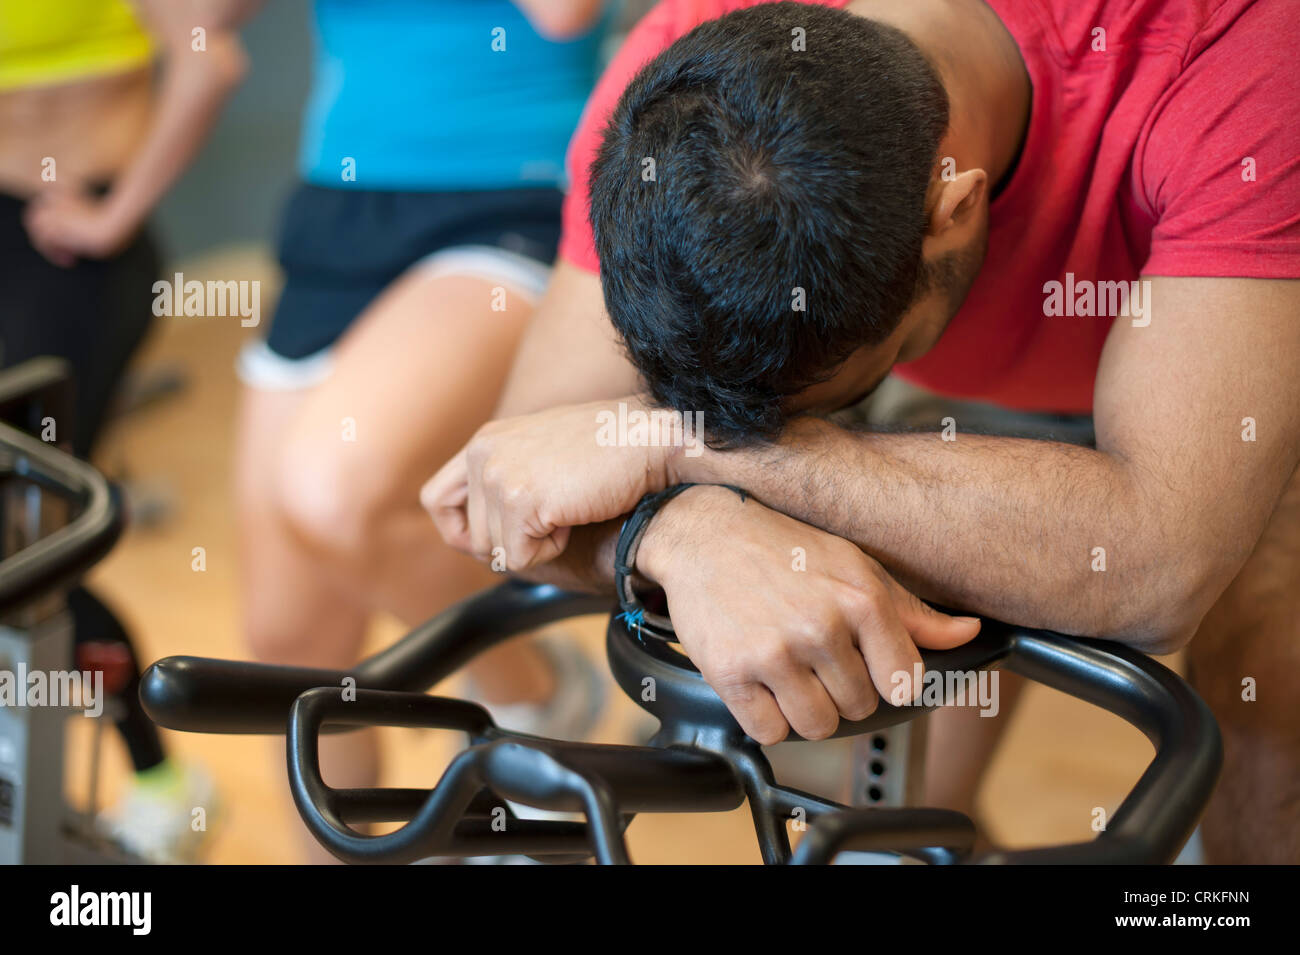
(236, 189)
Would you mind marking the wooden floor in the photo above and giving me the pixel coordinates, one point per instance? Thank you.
(1061, 757)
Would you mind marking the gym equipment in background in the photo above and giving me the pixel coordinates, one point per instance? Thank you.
(58, 517)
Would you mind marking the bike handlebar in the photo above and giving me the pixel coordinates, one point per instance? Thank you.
(1152, 823)
(70, 550)
(1158, 816)
(222, 696)
(610, 782)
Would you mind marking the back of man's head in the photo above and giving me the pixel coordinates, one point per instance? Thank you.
(782, 161)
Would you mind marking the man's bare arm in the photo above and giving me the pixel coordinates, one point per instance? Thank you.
(570, 353)
(1175, 495)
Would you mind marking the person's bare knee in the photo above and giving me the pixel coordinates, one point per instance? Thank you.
(329, 494)
(294, 611)
(414, 377)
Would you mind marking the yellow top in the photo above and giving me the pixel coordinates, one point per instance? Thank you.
(43, 43)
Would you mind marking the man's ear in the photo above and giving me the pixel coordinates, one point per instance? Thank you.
(953, 201)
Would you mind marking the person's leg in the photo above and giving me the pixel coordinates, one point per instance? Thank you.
(411, 381)
(381, 362)
(294, 611)
(100, 358)
(1245, 662)
(95, 315)
(960, 743)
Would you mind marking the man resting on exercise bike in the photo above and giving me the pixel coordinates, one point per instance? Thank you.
(793, 200)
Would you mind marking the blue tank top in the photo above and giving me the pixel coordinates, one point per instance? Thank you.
(429, 95)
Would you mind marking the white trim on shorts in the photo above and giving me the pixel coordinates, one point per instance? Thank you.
(492, 263)
(259, 367)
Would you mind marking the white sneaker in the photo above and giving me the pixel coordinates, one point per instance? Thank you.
(157, 820)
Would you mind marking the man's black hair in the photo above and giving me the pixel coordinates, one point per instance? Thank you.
(774, 169)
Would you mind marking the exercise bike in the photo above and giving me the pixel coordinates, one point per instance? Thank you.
(698, 761)
(58, 517)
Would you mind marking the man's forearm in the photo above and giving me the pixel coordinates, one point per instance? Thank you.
(1039, 533)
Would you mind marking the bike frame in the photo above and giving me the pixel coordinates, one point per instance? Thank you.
(58, 516)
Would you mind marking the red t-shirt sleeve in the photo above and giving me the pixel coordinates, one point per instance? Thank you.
(651, 36)
(1229, 114)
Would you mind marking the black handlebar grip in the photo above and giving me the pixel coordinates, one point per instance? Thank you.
(222, 696)
(226, 696)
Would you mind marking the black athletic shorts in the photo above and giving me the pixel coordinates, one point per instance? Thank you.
(339, 248)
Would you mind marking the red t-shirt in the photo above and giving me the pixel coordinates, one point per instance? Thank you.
(1173, 151)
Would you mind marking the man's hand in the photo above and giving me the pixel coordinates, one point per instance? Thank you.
(521, 483)
(793, 627)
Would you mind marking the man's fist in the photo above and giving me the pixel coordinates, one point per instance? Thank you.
(514, 491)
(793, 627)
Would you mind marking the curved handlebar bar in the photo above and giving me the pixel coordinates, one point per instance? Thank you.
(72, 549)
(1153, 822)
(1157, 817)
(699, 761)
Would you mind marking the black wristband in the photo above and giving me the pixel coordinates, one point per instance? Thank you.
(635, 615)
